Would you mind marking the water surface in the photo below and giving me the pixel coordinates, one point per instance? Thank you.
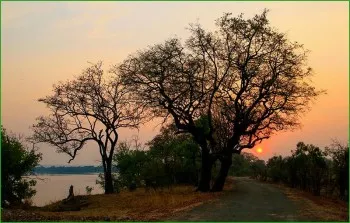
(55, 187)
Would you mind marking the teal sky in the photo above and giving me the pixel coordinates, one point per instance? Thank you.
(46, 42)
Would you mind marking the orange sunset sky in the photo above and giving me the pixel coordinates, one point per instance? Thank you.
(46, 42)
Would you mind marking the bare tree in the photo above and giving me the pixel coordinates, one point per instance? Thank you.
(230, 89)
(171, 82)
(90, 108)
(266, 84)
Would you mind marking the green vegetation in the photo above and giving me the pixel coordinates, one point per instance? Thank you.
(308, 168)
(17, 162)
(171, 159)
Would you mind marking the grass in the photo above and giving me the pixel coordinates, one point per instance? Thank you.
(318, 207)
(140, 205)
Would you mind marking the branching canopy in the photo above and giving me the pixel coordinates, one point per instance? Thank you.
(247, 79)
(91, 107)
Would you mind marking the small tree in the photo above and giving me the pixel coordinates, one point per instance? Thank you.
(308, 167)
(241, 165)
(171, 159)
(259, 170)
(276, 168)
(340, 167)
(17, 162)
(130, 162)
(178, 152)
(90, 108)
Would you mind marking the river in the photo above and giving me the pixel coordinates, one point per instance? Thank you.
(50, 188)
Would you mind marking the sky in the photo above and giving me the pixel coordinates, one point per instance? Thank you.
(43, 43)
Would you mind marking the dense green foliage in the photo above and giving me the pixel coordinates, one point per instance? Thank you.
(16, 163)
(322, 172)
(177, 154)
(242, 164)
(338, 173)
(310, 169)
(171, 159)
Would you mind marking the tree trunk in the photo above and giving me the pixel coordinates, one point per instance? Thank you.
(226, 162)
(109, 189)
(205, 174)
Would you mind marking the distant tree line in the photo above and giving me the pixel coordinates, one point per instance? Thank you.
(67, 169)
(321, 172)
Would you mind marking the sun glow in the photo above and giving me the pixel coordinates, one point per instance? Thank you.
(259, 150)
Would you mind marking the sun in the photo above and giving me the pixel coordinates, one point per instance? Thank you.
(259, 150)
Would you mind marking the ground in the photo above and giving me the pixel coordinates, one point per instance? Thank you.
(140, 205)
(253, 200)
(250, 201)
(244, 199)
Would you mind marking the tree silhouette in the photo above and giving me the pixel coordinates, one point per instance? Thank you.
(230, 89)
(17, 162)
(90, 108)
(340, 166)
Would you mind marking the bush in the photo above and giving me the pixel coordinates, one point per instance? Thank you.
(275, 169)
(242, 164)
(19, 162)
(129, 165)
(339, 168)
(309, 169)
(88, 190)
(259, 170)
(116, 183)
(171, 159)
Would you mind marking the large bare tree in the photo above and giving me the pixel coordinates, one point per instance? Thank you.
(171, 83)
(230, 88)
(91, 107)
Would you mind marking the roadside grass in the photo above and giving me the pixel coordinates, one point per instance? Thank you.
(317, 207)
(139, 205)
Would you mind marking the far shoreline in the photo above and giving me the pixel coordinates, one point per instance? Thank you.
(59, 174)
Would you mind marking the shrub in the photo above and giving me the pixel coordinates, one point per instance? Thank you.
(19, 162)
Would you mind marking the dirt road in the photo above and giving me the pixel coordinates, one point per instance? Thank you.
(249, 201)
